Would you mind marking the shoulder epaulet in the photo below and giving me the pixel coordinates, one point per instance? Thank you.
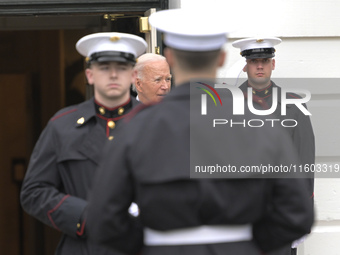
(136, 110)
(63, 114)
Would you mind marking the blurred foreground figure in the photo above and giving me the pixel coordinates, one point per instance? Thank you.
(180, 214)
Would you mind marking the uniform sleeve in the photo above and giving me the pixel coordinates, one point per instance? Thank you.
(108, 220)
(304, 141)
(290, 212)
(41, 194)
(289, 216)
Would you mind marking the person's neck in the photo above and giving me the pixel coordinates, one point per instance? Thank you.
(259, 86)
(109, 103)
(143, 99)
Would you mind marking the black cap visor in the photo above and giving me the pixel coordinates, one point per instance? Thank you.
(258, 53)
(112, 56)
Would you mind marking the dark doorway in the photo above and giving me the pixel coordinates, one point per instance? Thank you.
(41, 72)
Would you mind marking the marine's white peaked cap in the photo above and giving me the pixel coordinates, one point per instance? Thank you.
(257, 47)
(111, 46)
(191, 30)
(255, 43)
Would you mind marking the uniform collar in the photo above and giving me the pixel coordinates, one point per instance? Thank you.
(263, 93)
(112, 113)
(245, 85)
(87, 110)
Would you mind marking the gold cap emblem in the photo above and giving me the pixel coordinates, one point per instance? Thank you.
(81, 121)
(101, 110)
(121, 110)
(114, 38)
(259, 40)
(111, 124)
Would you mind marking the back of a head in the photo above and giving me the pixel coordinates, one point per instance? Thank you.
(196, 42)
(195, 61)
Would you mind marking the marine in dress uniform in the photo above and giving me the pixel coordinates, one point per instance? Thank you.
(180, 215)
(64, 160)
(302, 134)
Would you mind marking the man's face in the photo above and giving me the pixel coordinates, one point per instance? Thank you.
(259, 71)
(111, 81)
(155, 81)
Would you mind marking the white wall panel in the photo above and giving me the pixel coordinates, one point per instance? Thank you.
(326, 233)
(295, 57)
(277, 17)
(326, 122)
(310, 30)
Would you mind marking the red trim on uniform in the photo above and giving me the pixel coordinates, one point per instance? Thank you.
(54, 209)
(256, 99)
(82, 229)
(294, 96)
(110, 119)
(114, 119)
(312, 195)
(259, 90)
(136, 110)
(107, 129)
(62, 114)
(114, 108)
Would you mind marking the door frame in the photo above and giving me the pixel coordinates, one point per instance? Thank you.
(60, 7)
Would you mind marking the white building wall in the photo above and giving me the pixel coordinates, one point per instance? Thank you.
(310, 30)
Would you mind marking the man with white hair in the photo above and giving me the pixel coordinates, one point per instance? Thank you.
(153, 78)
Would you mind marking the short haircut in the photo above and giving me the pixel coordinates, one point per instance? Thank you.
(196, 61)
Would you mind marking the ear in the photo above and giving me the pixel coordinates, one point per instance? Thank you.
(89, 76)
(245, 68)
(222, 57)
(138, 85)
(134, 76)
(273, 64)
